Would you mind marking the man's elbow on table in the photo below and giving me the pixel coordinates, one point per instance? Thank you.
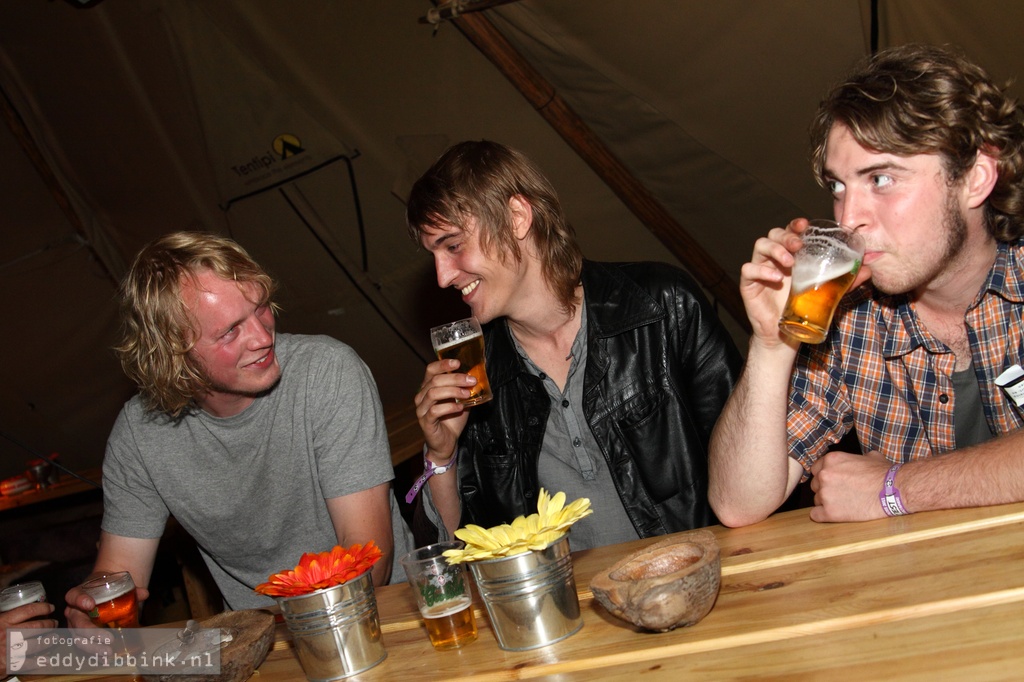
(736, 508)
(736, 516)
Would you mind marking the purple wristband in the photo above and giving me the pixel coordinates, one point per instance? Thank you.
(889, 496)
(429, 469)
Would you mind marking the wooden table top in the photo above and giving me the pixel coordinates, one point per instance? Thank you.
(66, 485)
(932, 596)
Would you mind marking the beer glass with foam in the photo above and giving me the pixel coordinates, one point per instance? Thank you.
(463, 340)
(117, 605)
(825, 267)
(23, 593)
(442, 594)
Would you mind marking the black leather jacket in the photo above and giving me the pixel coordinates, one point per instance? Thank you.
(660, 367)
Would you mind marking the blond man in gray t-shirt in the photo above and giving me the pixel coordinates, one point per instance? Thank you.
(262, 446)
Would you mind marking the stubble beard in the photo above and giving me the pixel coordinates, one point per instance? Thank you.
(954, 234)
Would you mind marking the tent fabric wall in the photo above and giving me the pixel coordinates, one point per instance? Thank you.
(706, 103)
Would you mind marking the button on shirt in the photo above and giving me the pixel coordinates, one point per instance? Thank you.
(570, 458)
(884, 374)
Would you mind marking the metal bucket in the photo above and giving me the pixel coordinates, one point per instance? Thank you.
(336, 630)
(530, 598)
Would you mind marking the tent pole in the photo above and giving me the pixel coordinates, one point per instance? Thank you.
(556, 111)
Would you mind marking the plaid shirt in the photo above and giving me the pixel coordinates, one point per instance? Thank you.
(883, 374)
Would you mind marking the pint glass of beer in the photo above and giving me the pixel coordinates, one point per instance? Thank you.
(23, 593)
(825, 267)
(117, 605)
(464, 341)
(442, 594)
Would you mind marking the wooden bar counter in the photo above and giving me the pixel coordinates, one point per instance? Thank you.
(932, 596)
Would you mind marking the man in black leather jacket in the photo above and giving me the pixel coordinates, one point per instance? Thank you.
(607, 377)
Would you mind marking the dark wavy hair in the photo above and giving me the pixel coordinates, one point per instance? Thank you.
(924, 99)
(476, 179)
(158, 330)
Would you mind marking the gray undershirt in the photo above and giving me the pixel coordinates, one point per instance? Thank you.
(971, 427)
(570, 458)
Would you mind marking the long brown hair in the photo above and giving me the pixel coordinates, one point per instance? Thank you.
(477, 179)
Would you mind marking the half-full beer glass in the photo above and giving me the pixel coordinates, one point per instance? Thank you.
(463, 340)
(117, 605)
(825, 267)
(442, 594)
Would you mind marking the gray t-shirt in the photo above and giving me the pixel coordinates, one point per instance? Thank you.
(969, 412)
(251, 488)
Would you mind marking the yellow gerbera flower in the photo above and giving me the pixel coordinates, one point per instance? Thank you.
(536, 531)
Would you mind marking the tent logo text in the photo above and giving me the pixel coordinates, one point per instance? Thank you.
(284, 147)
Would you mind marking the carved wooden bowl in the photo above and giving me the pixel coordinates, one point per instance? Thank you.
(670, 584)
(253, 634)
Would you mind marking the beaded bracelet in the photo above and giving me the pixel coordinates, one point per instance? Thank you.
(889, 496)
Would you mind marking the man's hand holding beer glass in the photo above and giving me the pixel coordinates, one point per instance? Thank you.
(456, 381)
(762, 391)
(449, 387)
(765, 282)
(752, 463)
(116, 603)
(106, 599)
(439, 409)
(23, 606)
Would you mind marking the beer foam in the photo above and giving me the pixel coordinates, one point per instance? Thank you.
(19, 595)
(456, 342)
(821, 243)
(105, 591)
(809, 274)
(447, 608)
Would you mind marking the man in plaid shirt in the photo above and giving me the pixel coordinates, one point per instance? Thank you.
(924, 157)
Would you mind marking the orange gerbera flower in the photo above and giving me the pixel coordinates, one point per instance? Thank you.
(326, 569)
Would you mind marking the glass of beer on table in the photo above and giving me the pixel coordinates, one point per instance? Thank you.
(23, 593)
(117, 605)
(463, 340)
(442, 594)
(825, 267)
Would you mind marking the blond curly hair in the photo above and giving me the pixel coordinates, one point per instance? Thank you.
(158, 330)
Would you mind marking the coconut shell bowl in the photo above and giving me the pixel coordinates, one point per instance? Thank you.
(670, 584)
